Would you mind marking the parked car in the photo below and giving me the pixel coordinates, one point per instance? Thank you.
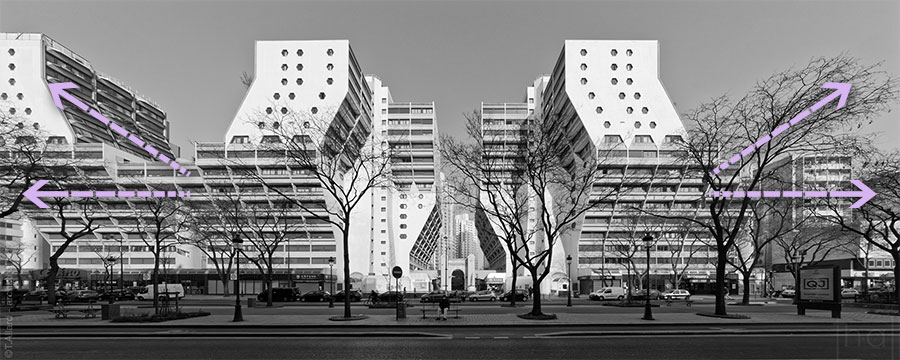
(117, 294)
(316, 295)
(849, 293)
(608, 293)
(170, 290)
(355, 295)
(642, 294)
(463, 295)
(279, 294)
(390, 296)
(679, 294)
(83, 296)
(521, 295)
(788, 293)
(435, 296)
(12, 297)
(484, 295)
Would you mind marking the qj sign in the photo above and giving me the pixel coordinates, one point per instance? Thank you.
(816, 284)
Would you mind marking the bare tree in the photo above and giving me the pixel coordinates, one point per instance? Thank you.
(770, 220)
(214, 225)
(268, 227)
(478, 182)
(877, 221)
(76, 220)
(160, 223)
(334, 148)
(532, 186)
(688, 242)
(27, 156)
(16, 258)
(722, 128)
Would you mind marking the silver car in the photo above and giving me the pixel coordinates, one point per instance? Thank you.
(483, 295)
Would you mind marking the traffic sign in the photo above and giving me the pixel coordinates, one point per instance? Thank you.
(397, 272)
(146, 276)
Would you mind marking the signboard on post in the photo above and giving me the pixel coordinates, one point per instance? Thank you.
(819, 288)
(397, 272)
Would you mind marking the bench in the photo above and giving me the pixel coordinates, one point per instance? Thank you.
(687, 302)
(437, 311)
(62, 312)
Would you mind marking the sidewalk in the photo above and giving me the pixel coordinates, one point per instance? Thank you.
(471, 320)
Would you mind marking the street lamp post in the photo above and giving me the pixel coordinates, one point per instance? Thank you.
(569, 276)
(236, 242)
(112, 263)
(797, 260)
(446, 260)
(648, 314)
(331, 279)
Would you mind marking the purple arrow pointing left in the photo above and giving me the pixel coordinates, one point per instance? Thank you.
(34, 194)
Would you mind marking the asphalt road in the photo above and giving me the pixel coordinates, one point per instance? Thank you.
(857, 346)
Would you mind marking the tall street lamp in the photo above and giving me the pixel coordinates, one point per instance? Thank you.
(569, 276)
(648, 314)
(798, 258)
(236, 242)
(331, 279)
(446, 260)
(112, 265)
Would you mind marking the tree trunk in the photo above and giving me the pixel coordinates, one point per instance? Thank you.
(746, 298)
(896, 255)
(720, 281)
(51, 281)
(224, 280)
(346, 234)
(19, 277)
(535, 295)
(630, 285)
(515, 277)
(156, 283)
(269, 291)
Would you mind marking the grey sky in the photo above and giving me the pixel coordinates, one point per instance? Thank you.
(188, 56)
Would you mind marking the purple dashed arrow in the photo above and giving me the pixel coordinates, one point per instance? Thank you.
(58, 90)
(842, 90)
(865, 194)
(34, 194)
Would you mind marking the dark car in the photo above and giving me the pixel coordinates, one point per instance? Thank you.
(436, 296)
(355, 295)
(117, 294)
(390, 296)
(317, 295)
(521, 295)
(642, 294)
(279, 294)
(83, 296)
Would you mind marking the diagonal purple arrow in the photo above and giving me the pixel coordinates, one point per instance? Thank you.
(58, 91)
(842, 90)
(864, 194)
(34, 194)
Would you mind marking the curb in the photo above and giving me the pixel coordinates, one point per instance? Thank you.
(568, 334)
(177, 334)
(437, 326)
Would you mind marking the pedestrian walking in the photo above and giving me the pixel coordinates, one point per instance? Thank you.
(444, 306)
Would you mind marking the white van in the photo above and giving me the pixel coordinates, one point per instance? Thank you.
(173, 290)
(608, 293)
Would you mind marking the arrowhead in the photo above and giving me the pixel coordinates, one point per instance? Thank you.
(867, 194)
(32, 194)
(841, 89)
(59, 89)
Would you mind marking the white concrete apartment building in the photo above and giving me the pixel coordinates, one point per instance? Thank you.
(608, 98)
(319, 80)
(32, 62)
